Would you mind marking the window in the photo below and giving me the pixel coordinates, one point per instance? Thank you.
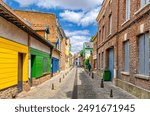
(103, 33)
(99, 36)
(45, 64)
(58, 44)
(110, 24)
(127, 9)
(102, 64)
(126, 56)
(144, 2)
(99, 61)
(144, 54)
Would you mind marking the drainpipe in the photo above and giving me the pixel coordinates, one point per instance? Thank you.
(29, 61)
(117, 75)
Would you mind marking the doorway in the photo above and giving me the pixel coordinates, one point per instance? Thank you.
(20, 72)
(111, 62)
(32, 67)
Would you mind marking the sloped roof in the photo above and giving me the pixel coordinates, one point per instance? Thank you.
(8, 14)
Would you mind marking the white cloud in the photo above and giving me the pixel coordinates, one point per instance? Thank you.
(63, 4)
(89, 17)
(71, 16)
(77, 38)
(78, 32)
(80, 18)
(24, 3)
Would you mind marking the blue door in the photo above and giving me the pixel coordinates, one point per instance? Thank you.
(111, 63)
(55, 65)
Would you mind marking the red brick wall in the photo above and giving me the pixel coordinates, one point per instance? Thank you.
(110, 40)
(63, 53)
(122, 31)
(132, 32)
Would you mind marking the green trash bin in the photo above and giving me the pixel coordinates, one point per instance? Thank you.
(107, 75)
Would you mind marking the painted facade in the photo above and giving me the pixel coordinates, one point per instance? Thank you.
(40, 22)
(9, 63)
(87, 49)
(40, 63)
(16, 38)
(68, 52)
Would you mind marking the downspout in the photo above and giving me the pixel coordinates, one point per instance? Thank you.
(29, 61)
(117, 71)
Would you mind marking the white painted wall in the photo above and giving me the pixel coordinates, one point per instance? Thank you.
(39, 46)
(12, 32)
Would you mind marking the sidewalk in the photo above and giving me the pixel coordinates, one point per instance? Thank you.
(44, 90)
(91, 88)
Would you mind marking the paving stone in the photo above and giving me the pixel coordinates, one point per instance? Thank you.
(87, 88)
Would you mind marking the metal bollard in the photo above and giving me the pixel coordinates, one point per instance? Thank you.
(92, 75)
(13, 96)
(111, 93)
(60, 80)
(102, 83)
(52, 86)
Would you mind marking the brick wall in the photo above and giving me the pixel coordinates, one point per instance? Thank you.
(12, 92)
(40, 20)
(122, 31)
(107, 40)
(63, 54)
(132, 33)
(40, 80)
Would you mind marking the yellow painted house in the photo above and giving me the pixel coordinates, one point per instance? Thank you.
(13, 63)
(16, 39)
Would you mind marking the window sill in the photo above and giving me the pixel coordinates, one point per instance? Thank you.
(125, 73)
(142, 77)
(138, 11)
(125, 22)
(109, 35)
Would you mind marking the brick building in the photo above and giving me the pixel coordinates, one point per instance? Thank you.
(124, 44)
(41, 21)
(94, 52)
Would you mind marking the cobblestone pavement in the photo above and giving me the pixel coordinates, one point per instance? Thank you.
(89, 88)
(76, 86)
(61, 90)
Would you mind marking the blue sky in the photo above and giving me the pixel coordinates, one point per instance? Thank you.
(77, 17)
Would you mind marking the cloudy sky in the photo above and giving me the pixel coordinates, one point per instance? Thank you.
(77, 17)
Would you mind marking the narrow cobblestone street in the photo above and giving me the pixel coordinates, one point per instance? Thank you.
(89, 88)
(85, 87)
(61, 89)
